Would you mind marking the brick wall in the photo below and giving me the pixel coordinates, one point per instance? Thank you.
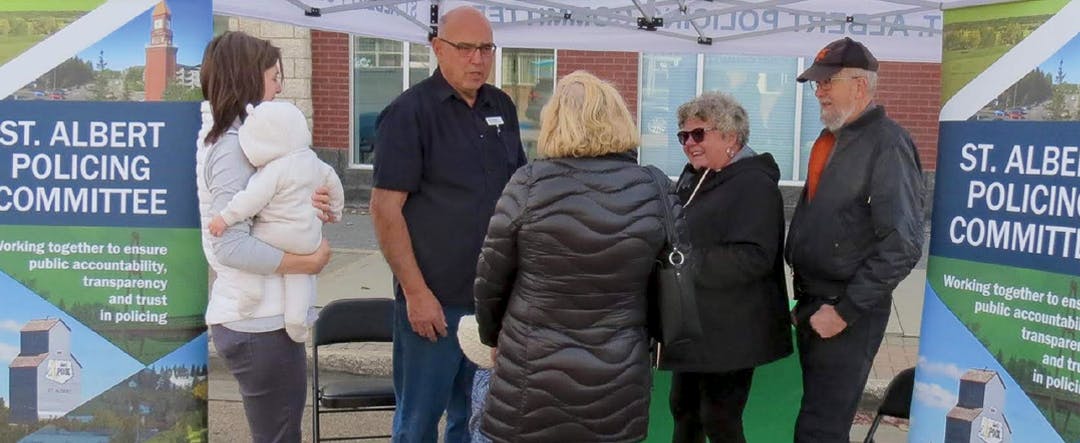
(295, 56)
(911, 94)
(619, 68)
(330, 89)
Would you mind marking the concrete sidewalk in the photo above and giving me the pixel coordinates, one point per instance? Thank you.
(358, 270)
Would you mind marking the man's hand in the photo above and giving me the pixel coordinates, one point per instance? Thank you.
(827, 322)
(217, 226)
(494, 355)
(321, 201)
(426, 315)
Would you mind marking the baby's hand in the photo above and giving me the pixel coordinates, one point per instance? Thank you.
(217, 226)
(321, 201)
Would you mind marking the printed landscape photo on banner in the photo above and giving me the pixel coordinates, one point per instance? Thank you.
(155, 56)
(1002, 276)
(102, 274)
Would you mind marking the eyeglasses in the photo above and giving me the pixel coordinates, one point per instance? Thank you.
(467, 49)
(827, 83)
(697, 134)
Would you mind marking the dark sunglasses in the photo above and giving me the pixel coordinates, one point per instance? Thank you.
(697, 134)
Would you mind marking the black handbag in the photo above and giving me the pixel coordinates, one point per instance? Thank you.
(671, 286)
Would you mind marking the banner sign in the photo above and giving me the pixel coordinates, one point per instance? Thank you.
(999, 356)
(102, 275)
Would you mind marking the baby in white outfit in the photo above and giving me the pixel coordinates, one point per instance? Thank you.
(276, 140)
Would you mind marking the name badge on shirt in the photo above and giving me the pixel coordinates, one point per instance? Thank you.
(495, 121)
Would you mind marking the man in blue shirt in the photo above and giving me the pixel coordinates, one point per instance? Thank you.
(443, 152)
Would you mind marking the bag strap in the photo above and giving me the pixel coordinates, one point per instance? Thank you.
(663, 184)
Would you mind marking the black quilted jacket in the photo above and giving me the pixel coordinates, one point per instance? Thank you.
(737, 225)
(560, 288)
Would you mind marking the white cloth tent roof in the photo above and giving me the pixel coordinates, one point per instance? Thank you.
(898, 30)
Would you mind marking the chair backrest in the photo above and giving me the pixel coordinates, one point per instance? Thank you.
(897, 401)
(355, 319)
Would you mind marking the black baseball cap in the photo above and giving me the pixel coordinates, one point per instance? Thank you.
(843, 53)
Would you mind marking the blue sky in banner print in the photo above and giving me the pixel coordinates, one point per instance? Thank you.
(1069, 57)
(937, 380)
(192, 28)
(192, 353)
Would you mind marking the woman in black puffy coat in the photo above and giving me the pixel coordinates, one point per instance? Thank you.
(561, 281)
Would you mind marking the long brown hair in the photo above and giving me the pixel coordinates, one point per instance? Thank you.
(232, 77)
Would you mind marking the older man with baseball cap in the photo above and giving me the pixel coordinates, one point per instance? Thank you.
(857, 231)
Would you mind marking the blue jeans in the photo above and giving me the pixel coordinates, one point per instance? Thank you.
(479, 394)
(430, 378)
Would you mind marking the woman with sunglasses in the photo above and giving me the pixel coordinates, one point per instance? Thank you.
(735, 214)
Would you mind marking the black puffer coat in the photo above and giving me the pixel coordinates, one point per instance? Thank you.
(560, 288)
(736, 224)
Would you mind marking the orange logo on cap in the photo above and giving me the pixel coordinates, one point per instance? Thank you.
(821, 54)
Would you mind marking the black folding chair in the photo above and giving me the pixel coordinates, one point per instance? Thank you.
(897, 401)
(351, 321)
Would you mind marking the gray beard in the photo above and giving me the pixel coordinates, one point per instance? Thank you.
(839, 119)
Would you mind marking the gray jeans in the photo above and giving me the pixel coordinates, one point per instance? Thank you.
(272, 371)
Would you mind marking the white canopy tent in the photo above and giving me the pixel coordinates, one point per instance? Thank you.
(898, 30)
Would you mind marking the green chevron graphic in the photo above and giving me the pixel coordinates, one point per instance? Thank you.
(142, 289)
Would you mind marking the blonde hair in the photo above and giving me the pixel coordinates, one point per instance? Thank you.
(586, 117)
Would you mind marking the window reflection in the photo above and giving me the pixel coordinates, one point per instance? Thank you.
(528, 76)
(378, 77)
(667, 81)
(811, 127)
(765, 86)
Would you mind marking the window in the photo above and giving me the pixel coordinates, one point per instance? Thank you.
(528, 77)
(382, 69)
(764, 86)
(221, 24)
(811, 127)
(667, 81)
(380, 74)
(420, 66)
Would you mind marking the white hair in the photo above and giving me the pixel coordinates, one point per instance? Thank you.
(871, 79)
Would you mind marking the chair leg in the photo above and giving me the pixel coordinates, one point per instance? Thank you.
(315, 394)
(315, 416)
(873, 429)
